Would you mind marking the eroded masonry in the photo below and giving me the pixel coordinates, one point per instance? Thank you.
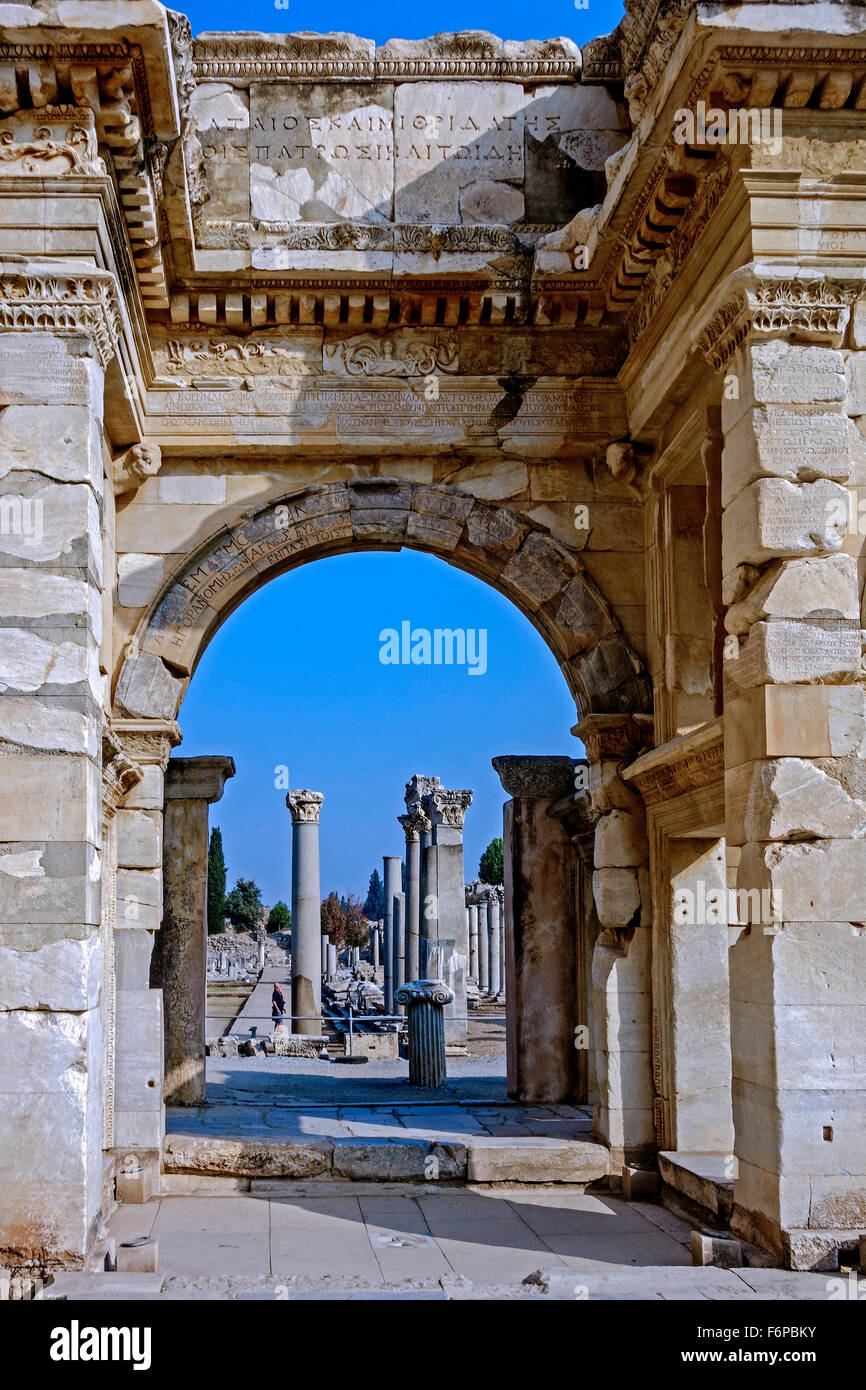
(267, 298)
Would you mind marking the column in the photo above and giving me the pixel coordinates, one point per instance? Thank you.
(483, 949)
(417, 788)
(332, 961)
(51, 718)
(306, 913)
(795, 720)
(500, 892)
(540, 916)
(374, 944)
(399, 915)
(494, 952)
(325, 943)
(414, 824)
(179, 964)
(448, 953)
(391, 866)
(472, 911)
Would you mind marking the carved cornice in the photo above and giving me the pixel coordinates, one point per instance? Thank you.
(753, 306)
(336, 57)
(305, 806)
(417, 788)
(683, 765)
(119, 773)
(147, 741)
(44, 299)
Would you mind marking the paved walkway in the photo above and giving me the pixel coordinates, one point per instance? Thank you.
(349, 1238)
(254, 1019)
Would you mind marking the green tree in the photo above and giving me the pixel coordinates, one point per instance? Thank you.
(490, 867)
(280, 918)
(244, 905)
(374, 904)
(216, 883)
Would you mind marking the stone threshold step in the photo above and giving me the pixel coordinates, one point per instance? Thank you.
(483, 1160)
(705, 1180)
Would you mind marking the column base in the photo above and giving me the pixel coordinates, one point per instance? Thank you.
(798, 1247)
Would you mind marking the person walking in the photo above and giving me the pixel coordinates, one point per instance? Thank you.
(278, 1004)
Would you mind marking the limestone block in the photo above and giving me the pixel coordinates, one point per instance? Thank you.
(792, 799)
(134, 1185)
(781, 373)
(138, 1258)
(716, 1248)
(536, 1160)
(450, 135)
(41, 370)
(491, 481)
(391, 1160)
(582, 614)
(855, 373)
(810, 588)
(179, 489)
(50, 798)
(51, 523)
(818, 881)
(620, 840)
(248, 1157)
(800, 443)
(149, 793)
(37, 597)
(797, 721)
(58, 724)
(138, 1057)
(607, 789)
(139, 898)
(539, 569)
(139, 839)
(50, 882)
(132, 953)
(139, 578)
(32, 662)
(57, 441)
(62, 975)
(787, 652)
(617, 896)
(773, 518)
(147, 689)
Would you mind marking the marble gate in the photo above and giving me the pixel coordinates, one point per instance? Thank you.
(268, 298)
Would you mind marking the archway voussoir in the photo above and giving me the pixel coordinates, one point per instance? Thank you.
(540, 569)
(147, 689)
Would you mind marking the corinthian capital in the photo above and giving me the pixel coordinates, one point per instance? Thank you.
(46, 298)
(749, 305)
(414, 823)
(305, 806)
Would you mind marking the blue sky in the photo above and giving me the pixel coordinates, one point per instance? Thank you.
(542, 20)
(294, 679)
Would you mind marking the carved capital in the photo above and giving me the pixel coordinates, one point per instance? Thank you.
(417, 788)
(446, 807)
(614, 736)
(750, 307)
(198, 779)
(414, 823)
(41, 298)
(130, 469)
(119, 773)
(305, 806)
(424, 992)
(148, 741)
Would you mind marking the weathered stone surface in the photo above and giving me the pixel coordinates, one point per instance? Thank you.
(815, 588)
(791, 799)
(773, 517)
(782, 651)
(536, 1160)
(617, 896)
(269, 1158)
(396, 1160)
(620, 840)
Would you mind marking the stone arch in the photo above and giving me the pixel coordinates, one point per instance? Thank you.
(509, 551)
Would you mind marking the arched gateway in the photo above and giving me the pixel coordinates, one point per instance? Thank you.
(269, 298)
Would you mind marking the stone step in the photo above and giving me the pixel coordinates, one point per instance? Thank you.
(482, 1160)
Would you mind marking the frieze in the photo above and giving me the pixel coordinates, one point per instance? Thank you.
(403, 355)
(50, 142)
(186, 359)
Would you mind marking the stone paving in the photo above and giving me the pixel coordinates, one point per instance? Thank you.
(360, 1240)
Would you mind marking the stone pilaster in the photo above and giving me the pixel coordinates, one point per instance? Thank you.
(622, 958)
(58, 332)
(539, 913)
(179, 964)
(795, 731)
(306, 913)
